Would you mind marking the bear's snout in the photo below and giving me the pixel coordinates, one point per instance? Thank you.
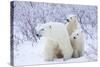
(74, 37)
(38, 35)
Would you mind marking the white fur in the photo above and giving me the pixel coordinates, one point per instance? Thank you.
(55, 35)
(77, 43)
(73, 24)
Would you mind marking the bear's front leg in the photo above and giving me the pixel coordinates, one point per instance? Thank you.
(49, 57)
(49, 52)
(66, 54)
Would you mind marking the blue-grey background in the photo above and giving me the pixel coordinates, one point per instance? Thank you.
(27, 15)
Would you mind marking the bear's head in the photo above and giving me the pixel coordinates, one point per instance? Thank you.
(76, 34)
(71, 18)
(43, 30)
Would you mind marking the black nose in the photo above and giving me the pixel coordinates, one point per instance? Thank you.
(74, 37)
(67, 20)
(37, 35)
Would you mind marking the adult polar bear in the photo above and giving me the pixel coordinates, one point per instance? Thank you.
(55, 39)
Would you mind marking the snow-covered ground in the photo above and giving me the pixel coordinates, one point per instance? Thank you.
(29, 54)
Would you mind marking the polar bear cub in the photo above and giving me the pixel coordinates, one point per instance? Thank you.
(72, 24)
(55, 40)
(77, 42)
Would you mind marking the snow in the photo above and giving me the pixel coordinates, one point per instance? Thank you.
(30, 55)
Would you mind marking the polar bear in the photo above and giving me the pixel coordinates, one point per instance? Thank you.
(77, 42)
(72, 24)
(55, 40)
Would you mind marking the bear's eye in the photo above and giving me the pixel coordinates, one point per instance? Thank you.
(50, 26)
(70, 17)
(42, 29)
(77, 34)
